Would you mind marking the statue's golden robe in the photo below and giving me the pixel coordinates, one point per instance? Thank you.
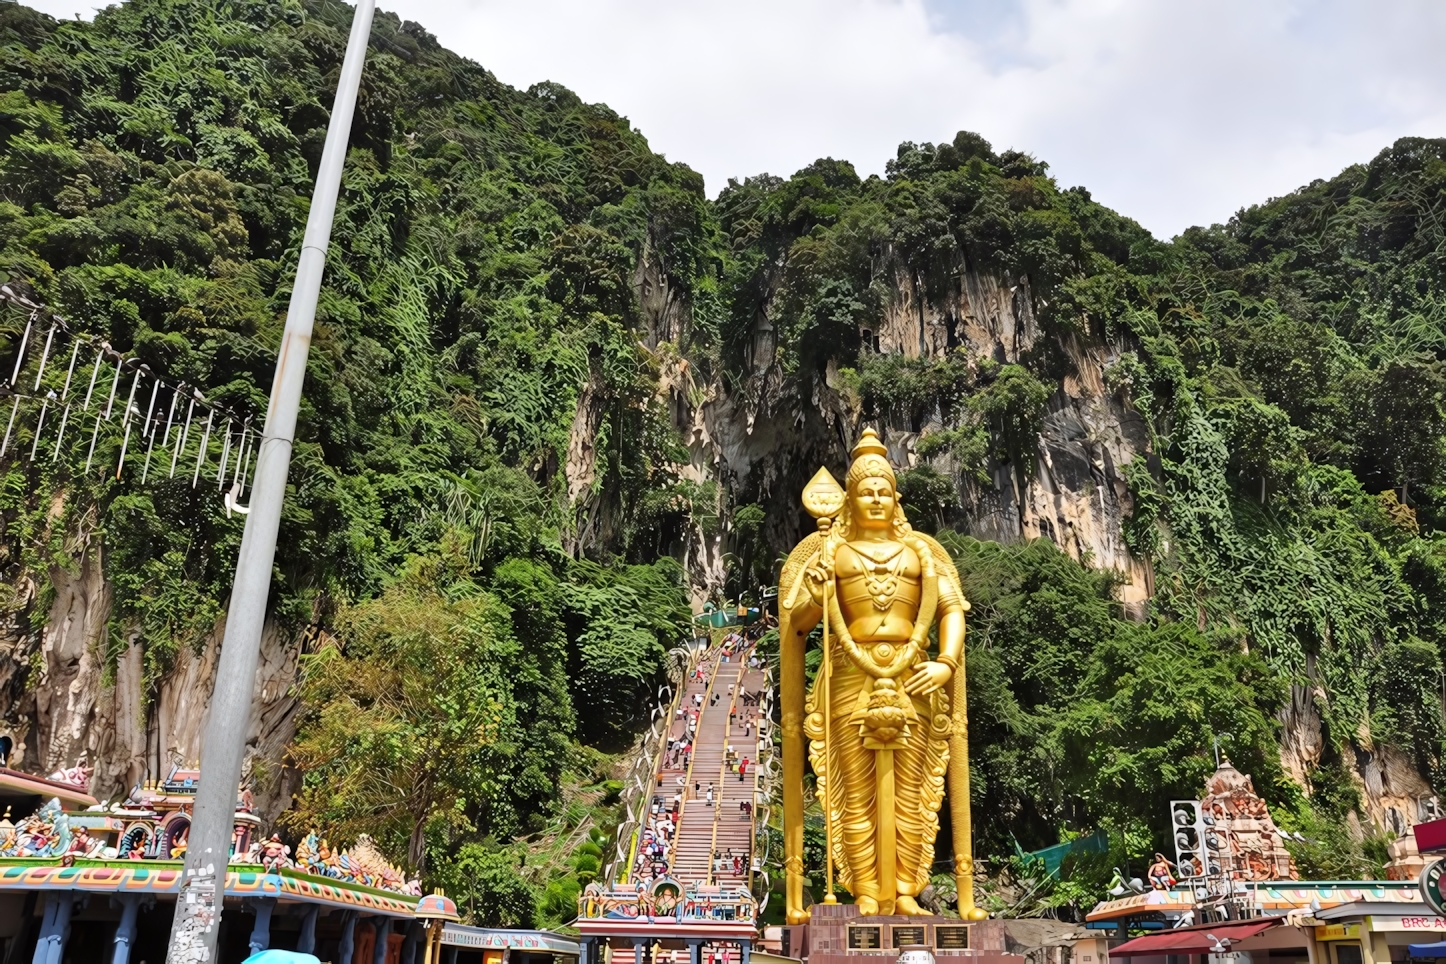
(849, 790)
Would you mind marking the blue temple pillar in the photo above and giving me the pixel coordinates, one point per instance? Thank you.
(415, 930)
(695, 951)
(745, 948)
(261, 933)
(55, 928)
(346, 950)
(384, 930)
(306, 940)
(587, 947)
(47, 926)
(125, 932)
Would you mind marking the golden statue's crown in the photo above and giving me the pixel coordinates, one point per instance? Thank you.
(869, 444)
(871, 460)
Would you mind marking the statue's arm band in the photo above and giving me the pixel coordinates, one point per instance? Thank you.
(951, 600)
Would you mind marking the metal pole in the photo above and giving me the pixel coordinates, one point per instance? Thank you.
(199, 903)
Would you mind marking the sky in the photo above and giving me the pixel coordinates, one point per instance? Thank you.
(1173, 112)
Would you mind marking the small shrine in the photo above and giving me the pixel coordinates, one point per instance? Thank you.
(1253, 848)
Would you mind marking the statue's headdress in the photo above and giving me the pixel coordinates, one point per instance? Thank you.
(871, 461)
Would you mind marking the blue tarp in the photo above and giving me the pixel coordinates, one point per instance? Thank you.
(281, 957)
(723, 618)
(1437, 949)
(1096, 843)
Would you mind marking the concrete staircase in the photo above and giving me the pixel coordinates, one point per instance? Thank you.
(722, 828)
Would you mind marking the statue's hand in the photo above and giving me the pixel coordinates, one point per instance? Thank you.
(813, 580)
(927, 678)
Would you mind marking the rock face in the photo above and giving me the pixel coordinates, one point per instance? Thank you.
(72, 708)
(757, 438)
(762, 440)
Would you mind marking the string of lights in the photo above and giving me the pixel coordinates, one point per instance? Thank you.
(178, 428)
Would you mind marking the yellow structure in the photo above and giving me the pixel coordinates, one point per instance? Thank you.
(885, 721)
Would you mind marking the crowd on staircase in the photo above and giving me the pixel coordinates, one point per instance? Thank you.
(699, 826)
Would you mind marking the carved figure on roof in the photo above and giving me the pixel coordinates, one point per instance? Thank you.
(45, 833)
(331, 861)
(275, 854)
(8, 833)
(80, 842)
(76, 776)
(1159, 873)
(309, 856)
(135, 841)
(1251, 847)
(367, 864)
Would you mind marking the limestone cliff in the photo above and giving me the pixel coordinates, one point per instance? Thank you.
(759, 440)
(62, 706)
(764, 438)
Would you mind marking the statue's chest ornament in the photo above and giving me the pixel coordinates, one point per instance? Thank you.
(881, 566)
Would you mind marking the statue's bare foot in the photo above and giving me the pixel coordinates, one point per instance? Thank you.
(904, 904)
(868, 907)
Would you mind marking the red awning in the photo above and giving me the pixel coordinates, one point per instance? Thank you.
(1199, 939)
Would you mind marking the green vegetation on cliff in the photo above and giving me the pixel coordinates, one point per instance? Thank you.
(489, 487)
(155, 170)
(1288, 367)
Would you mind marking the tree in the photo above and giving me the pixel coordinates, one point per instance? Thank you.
(1400, 435)
(1012, 404)
(411, 715)
(488, 888)
(1139, 727)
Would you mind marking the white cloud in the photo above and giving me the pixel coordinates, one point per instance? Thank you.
(1173, 113)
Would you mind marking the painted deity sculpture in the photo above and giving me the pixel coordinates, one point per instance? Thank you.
(883, 717)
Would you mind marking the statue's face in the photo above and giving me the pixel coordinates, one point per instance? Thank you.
(873, 503)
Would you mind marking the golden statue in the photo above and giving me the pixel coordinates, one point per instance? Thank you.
(885, 720)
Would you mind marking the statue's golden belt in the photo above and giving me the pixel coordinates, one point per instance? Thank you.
(890, 658)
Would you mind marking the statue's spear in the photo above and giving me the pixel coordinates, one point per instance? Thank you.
(823, 497)
(959, 794)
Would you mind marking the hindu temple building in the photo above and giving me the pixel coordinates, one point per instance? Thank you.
(85, 881)
(1235, 894)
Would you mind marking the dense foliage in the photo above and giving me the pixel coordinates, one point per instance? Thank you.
(1288, 366)
(489, 486)
(155, 170)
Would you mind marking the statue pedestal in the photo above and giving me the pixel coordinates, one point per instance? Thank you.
(837, 934)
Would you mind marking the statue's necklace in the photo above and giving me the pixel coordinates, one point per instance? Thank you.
(881, 573)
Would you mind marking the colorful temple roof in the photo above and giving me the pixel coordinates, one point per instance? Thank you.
(665, 907)
(164, 877)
